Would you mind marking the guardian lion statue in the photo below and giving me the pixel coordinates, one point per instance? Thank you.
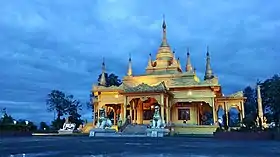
(157, 122)
(103, 122)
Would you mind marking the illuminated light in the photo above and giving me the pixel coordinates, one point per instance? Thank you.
(26, 122)
(189, 93)
(15, 122)
(117, 96)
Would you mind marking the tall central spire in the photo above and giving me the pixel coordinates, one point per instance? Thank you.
(164, 39)
(102, 81)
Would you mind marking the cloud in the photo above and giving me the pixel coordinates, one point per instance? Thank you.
(49, 45)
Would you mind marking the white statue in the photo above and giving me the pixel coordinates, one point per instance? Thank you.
(68, 126)
(103, 122)
(157, 122)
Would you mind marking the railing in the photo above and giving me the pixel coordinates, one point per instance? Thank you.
(126, 123)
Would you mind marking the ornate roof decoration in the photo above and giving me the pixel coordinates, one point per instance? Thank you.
(98, 88)
(237, 94)
(143, 87)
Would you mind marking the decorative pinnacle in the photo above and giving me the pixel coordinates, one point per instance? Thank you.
(207, 54)
(188, 51)
(129, 57)
(163, 23)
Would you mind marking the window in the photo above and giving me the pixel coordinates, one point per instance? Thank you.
(184, 114)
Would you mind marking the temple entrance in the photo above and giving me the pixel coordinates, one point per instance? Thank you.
(141, 112)
(113, 112)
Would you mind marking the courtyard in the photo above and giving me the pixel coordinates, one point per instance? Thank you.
(135, 147)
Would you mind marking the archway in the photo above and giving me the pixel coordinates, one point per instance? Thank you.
(221, 114)
(234, 117)
(113, 112)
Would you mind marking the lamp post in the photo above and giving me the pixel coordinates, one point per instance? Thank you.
(15, 122)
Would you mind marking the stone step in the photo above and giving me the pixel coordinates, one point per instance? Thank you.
(135, 129)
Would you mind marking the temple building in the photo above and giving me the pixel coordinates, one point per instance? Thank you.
(187, 104)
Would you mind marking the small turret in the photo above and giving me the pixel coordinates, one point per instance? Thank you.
(208, 70)
(102, 81)
(129, 70)
(188, 65)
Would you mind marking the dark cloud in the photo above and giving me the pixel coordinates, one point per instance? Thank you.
(49, 45)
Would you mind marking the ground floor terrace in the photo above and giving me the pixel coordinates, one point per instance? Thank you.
(183, 114)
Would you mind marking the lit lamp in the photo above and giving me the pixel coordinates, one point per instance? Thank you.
(116, 96)
(15, 122)
(152, 107)
(26, 122)
(189, 93)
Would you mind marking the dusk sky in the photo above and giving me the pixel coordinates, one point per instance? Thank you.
(59, 44)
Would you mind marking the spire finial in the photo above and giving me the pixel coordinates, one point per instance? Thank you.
(164, 40)
(208, 70)
(207, 54)
(102, 80)
(129, 70)
(188, 65)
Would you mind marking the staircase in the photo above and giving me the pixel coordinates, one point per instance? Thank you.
(87, 128)
(134, 129)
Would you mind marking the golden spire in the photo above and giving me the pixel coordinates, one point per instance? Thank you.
(174, 62)
(179, 64)
(129, 70)
(208, 70)
(150, 60)
(102, 80)
(164, 39)
(188, 65)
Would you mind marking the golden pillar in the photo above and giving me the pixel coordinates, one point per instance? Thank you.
(215, 118)
(243, 111)
(124, 109)
(162, 106)
(115, 117)
(135, 113)
(130, 111)
(167, 110)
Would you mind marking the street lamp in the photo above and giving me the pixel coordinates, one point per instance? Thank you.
(15, 122)
(26, 122)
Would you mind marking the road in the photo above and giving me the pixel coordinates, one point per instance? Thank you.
(135, 147)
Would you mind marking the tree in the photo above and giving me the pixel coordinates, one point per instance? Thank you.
(56, 101)
(111, 80)
(270, 90)
(43, 126)
(250, 105)
(64, 105)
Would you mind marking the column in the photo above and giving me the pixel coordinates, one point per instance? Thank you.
(130, 111)
(166, 110)
(242, 109)
(124, 109)
(162, 106)
(135, 113)
(115, 117)
(226, 111)
(214, 111)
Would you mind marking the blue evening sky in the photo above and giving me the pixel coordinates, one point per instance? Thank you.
(59, 44)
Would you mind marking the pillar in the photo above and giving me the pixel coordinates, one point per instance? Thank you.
(242, 109)
(226, 112)
(130, 111)
(135, 112)
(115, 117)
(166, 110)
(162, 106)
(124, 109)
(215, 118)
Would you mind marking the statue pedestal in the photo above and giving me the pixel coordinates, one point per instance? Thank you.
(65, 132)
(160, 132)
(98, 132)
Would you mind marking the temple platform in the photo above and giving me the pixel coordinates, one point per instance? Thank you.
(185, 129)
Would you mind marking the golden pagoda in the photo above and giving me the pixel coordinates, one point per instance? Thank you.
(185, 101)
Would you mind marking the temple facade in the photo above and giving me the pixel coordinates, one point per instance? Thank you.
(187, 104)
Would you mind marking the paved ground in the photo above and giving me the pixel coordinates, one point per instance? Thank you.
(135, 147)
